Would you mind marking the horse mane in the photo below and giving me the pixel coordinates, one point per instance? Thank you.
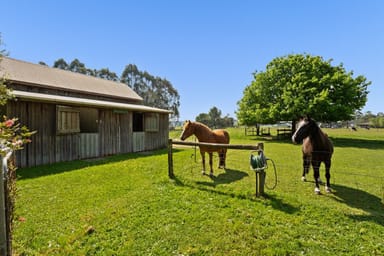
(322, 141)
(202, 125)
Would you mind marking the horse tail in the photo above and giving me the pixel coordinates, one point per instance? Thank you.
(227, 138)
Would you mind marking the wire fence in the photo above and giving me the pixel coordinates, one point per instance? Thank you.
(353, 180)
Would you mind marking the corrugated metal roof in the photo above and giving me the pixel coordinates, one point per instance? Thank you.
(84, 102)
(44, 76)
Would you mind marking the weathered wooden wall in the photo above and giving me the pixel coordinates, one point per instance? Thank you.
(159, 139)
(89, 145)
(114, 135)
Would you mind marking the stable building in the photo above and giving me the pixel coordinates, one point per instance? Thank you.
(78, 116)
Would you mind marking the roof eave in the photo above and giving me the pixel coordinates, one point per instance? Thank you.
(85, 102)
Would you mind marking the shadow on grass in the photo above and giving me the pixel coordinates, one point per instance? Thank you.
(57, 168)
(268, 200)
(358, 143)
(227, 177)
(362, 200)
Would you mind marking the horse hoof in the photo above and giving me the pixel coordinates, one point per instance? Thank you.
(303, 179)
(328, 189)
(203, 172)
(317, 191)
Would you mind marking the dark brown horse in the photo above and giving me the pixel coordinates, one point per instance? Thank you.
(317, 148)
(205, 134)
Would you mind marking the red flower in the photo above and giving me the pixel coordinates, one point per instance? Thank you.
(9, 123)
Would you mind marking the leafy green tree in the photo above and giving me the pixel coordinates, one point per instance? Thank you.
(215, 116)
(300, 84)
(227, 121)
(213, 119)
(204, 118)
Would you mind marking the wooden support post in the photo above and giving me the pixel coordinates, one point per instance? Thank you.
(5, 242)
(260, 176)
(171, 175)
(260, 182)
(3, 212)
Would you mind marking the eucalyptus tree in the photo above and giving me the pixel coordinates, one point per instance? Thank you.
(155, 91)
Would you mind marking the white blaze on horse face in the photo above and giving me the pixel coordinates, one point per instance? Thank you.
(293, 138)
(299, 125)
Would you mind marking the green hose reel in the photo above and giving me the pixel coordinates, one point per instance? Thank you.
(258, 161)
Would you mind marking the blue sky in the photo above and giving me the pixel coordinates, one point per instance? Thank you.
(207, 49)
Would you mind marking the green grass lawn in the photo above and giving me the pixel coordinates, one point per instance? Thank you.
(127, 205)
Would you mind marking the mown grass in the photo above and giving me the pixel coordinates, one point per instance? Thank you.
(127, 205)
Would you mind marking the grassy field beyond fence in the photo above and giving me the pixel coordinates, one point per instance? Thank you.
(127, 205)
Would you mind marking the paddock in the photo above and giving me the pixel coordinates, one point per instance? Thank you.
(259, 148)
(134, 208)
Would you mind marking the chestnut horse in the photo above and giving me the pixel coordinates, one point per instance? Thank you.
(205, 134)
(317, 148)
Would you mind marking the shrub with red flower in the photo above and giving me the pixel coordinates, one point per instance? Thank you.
(13, 136)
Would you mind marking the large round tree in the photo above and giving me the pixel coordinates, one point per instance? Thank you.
(300, 84)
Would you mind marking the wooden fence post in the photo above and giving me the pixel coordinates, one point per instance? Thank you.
(3, 215)
(171, 175)
(5, 243)
(260, 175)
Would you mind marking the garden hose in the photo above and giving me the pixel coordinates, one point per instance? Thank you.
(259, 162)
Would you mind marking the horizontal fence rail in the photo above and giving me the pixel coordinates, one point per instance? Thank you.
(259, 146)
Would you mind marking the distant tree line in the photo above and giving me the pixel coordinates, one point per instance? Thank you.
(368, 118)
(155, 91)
(214, 120)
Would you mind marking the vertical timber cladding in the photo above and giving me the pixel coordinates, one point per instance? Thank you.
(112, 134)
(110, 129)
(67, 133)
(115, 129)
(126, 132)
(39, 117)
(157, 138)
